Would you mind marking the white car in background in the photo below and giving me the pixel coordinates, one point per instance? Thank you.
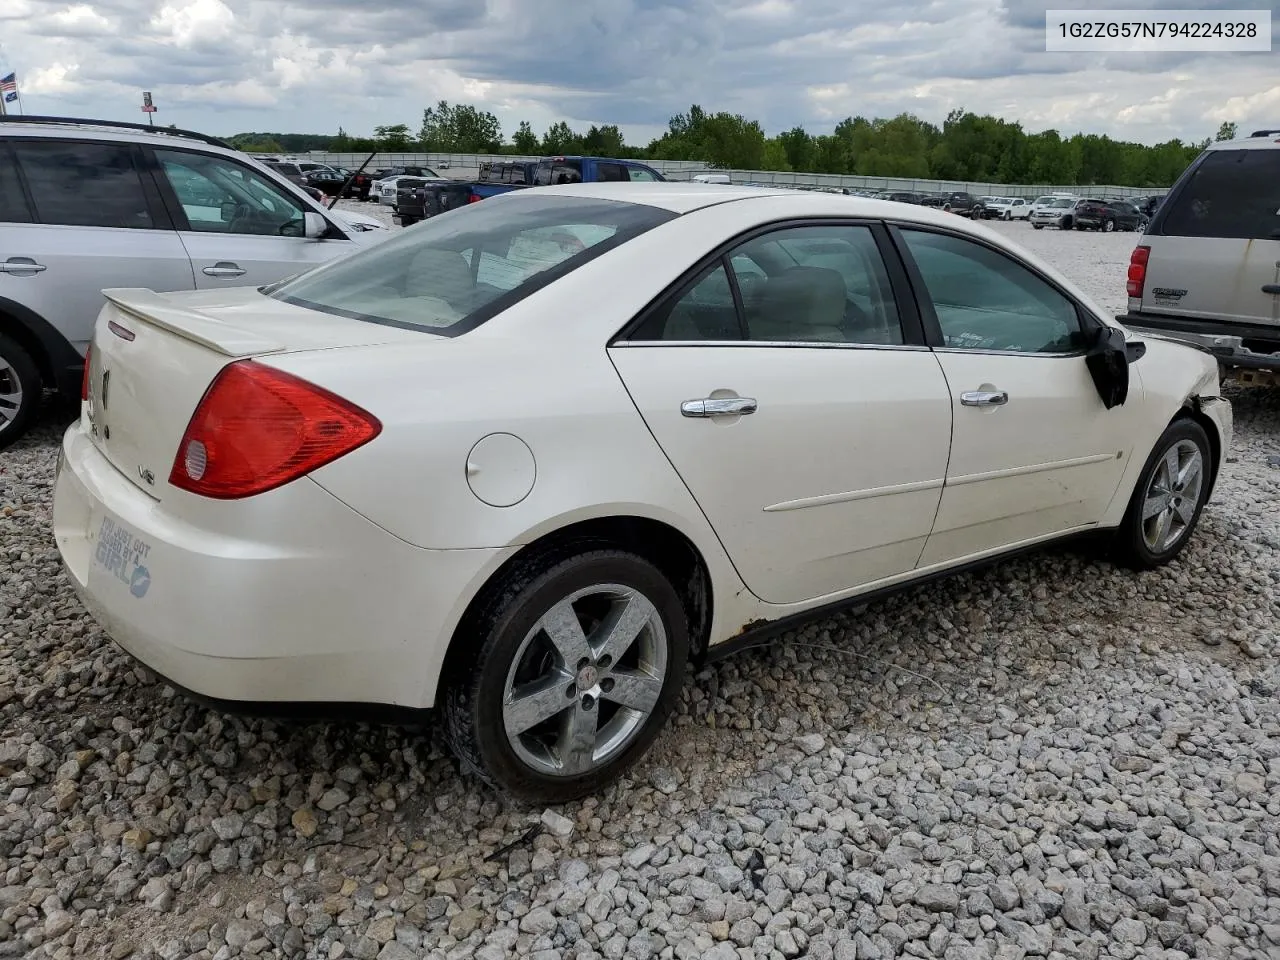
(1048, 200)
(1008, 208)
(529, 459)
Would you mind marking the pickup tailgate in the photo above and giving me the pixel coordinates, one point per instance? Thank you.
(154, 356)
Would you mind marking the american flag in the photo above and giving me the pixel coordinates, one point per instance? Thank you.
(9, 84)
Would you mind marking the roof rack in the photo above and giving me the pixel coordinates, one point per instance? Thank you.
(1264, 133)
(117, 124)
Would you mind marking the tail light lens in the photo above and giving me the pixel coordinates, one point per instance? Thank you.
(257, 428)
(1138, 271)
(474, 198)
(84, 375)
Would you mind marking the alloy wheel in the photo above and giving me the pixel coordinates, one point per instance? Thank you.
(1173, 497)
(10, 393)
(584, 680)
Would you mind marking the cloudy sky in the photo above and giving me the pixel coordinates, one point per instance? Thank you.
(225, 66)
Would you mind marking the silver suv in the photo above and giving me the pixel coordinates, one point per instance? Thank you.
(87, 205)
(1208, 269)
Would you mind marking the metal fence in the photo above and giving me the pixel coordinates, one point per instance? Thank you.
(466, 164)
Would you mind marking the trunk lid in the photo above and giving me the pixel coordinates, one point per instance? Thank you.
(154, 356)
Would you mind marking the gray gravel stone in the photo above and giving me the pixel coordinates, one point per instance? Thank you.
(1052, 757)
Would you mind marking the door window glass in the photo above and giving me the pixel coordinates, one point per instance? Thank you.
(985, 301)
(220, 196)
(640, 174)
(816, 284)
(1232, 193)
(83, 184)
(705, 311)
(13, 205)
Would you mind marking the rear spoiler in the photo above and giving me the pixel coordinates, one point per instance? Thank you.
(160, 311)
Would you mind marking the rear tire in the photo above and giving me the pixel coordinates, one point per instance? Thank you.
(1168, 498)
(21, 389)
(538, 709)
(1108, 226)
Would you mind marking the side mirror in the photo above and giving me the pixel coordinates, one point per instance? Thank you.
(1108, 359)
(314, 226)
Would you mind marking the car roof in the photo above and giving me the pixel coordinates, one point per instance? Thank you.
(1271, 142)
(86, 129)
(685, 197)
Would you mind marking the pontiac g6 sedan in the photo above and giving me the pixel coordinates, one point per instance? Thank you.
(527, 460)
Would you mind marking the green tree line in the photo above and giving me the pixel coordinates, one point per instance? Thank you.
(966, 147)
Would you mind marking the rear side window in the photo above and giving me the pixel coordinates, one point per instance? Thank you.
(1231, 193)
(458, 269)
(13, 205)
(612, 171)
(81, 184)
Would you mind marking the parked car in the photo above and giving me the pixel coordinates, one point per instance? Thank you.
(426, 476)
(959, 202)
(88, 204)
(1059, 213)
(1093, 213)
(1013, 208)
(415, 202)
(1041, 203)
(328, 180)
(386, 190)
(1206, 269)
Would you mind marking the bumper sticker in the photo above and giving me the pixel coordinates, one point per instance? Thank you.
(123, 555)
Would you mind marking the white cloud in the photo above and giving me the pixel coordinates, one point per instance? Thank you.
(195, 21)
(314, 65)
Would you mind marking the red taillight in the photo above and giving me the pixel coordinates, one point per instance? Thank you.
(257, 428)
(474, 198)
(84, 376)
(1138, 270)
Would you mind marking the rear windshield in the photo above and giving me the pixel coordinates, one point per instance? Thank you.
(456, 270)
(1231, 193)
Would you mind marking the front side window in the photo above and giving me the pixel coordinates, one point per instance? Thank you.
(13, 205)
(1231, 194)
(640, 174)
(612, 171)
(221, 196)
(81, 184)
(456, 270)
(986, 301)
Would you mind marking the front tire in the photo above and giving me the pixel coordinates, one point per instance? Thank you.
(576, 664)
(1108, 226)
(20, 390)
(1168, 498)
(1037, 226)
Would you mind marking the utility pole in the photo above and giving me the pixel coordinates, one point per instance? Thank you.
(148, 107)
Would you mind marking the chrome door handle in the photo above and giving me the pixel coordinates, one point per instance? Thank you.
(22, 267)
(224, 268)
(718, 407)
(984, 398)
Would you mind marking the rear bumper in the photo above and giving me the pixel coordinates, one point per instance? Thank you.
(1250, 347)
(314, 605)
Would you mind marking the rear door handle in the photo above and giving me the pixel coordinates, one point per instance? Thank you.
(718, 407)
(224, 268)
(22, 267)
(1272, 288)
(984, 398)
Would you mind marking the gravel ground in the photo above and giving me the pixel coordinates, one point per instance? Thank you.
(1053, 758)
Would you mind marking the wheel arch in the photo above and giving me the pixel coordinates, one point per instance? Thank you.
(662, 544)
(1190, 410)
(54, 356)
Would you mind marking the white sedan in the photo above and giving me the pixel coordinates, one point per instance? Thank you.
(527, 460)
